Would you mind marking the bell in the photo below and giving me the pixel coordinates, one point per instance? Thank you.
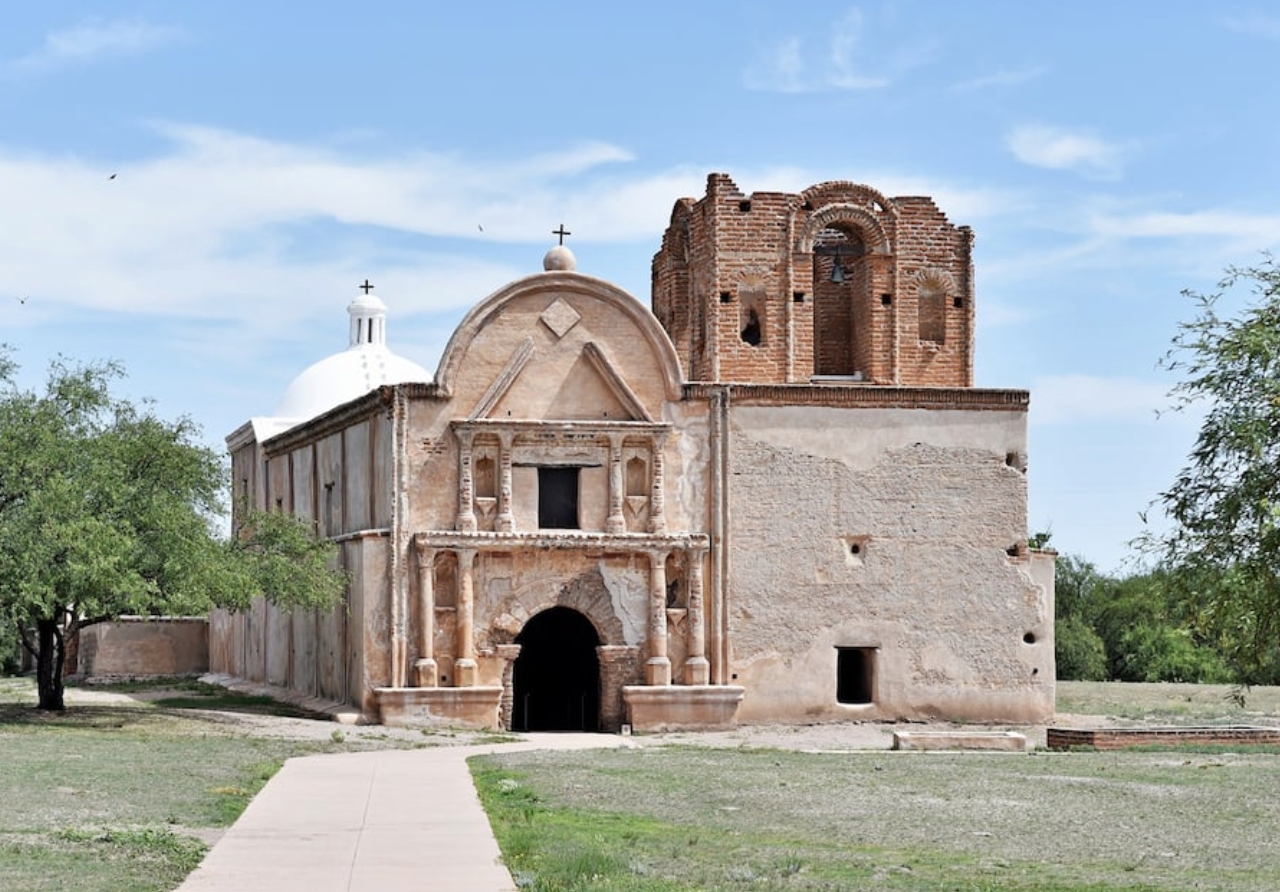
(837, 273)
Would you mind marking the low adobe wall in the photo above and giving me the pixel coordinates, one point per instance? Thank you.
(142, 645)
(1119, 738)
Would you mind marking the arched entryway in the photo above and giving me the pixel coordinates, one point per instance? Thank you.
(556, 678)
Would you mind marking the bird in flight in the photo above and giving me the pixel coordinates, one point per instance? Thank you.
(112, 177)
(23, 299)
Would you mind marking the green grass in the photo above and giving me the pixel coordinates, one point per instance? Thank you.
(108, 796)
(559, 844)
(1171, 704)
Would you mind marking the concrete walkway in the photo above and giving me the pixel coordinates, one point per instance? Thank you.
(380, 821)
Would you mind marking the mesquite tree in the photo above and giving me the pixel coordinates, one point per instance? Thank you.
(107, 509)
(1225, 504)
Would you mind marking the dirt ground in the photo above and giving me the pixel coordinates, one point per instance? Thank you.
(803, 738)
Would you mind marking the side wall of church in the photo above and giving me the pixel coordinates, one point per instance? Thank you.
(895, 534)
(340, 481)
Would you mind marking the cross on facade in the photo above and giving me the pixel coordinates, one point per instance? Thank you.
(366, 287)
(562, 232)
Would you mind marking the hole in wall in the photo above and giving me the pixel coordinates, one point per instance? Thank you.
(725, 297)
(744, 206)
(797, 297)
(958, 302)
(1029, 638)
(886, 299)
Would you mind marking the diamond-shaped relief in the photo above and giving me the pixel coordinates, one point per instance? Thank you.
(560, 317)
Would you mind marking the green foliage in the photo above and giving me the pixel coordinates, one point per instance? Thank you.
(1079, 652)
(107, 509)
(1143, 627)
(1224, 550)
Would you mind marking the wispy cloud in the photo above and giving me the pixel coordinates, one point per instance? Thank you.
(95, 40)
(1081, 399)
(1001, 78)
(258, 217)
(1258, 229)
(847, 53)
(1058, 148)
(1255, 24)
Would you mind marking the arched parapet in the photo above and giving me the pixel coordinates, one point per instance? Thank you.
(874, 235)
(846, 192)
(564, 284)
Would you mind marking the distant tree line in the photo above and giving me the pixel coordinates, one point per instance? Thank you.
(1149, 626)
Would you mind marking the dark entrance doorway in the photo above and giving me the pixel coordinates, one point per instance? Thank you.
(556, 678)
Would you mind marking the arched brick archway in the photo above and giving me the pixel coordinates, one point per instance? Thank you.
(585, 595)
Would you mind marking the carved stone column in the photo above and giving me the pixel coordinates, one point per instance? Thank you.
(657, 500)
(425, 670)
(506, 706)
(464, 665)
(617, 523)
(506, 520)
(697, 669)
(466, 484)
(657, 669)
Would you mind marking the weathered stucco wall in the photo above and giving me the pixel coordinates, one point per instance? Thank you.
(138, 645)
(899, 531)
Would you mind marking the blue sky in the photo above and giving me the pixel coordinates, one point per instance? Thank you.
(268, 157)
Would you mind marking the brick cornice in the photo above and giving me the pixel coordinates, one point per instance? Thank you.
(865, 396)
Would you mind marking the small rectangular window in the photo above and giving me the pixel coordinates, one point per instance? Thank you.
(558, 498)
(855, 675)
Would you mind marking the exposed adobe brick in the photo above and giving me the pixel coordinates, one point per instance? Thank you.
(866, 326)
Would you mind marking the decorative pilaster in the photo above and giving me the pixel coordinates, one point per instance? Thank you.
(506, 521)
(657, 669)
(425, 669)
(657, 502)
(464, 665)
(616, 523)
(466, 483)
(697, 669)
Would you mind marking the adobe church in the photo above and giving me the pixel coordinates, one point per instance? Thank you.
(776, 497)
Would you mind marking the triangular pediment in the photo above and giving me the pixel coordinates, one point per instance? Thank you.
(587, 388)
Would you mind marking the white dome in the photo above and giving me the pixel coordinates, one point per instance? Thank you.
(365, 365)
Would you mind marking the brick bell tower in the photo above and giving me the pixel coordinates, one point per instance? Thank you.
(837, 285)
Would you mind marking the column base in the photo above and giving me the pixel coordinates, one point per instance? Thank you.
(465, 673)
(657, 671)
(426, 673)
(697, 671)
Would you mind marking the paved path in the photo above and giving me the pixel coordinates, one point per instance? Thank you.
(380, 821)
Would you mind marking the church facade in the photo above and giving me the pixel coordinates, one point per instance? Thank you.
(776, 497)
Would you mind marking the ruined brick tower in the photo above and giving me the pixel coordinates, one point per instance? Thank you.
(836, 285)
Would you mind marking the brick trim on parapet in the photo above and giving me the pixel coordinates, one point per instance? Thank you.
(865, 396)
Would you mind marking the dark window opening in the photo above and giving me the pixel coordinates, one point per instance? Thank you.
(751, 331)
(744, 206)
(797, 297)
(725, 297)
(855, 675)
(886, 299)
(957, 302)
(558, 498)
